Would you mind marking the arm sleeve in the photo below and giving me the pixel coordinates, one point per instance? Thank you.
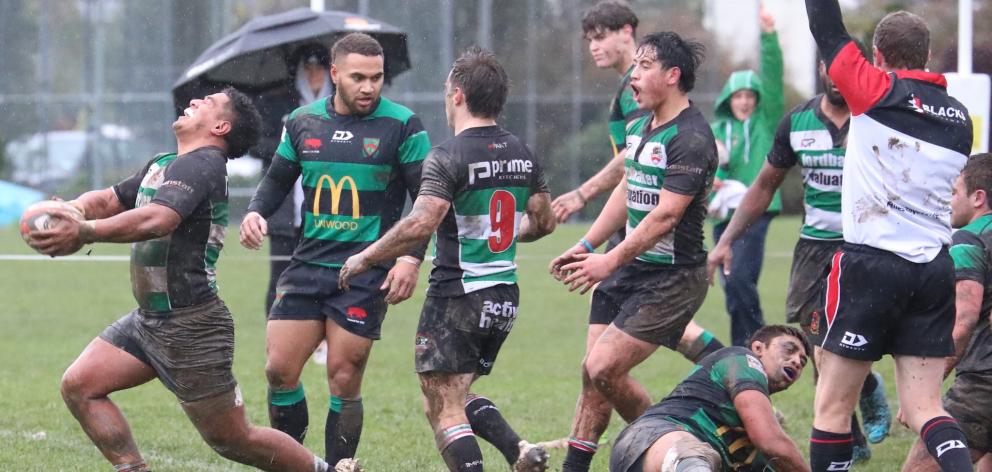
(691, 156)
(861, 83)
(739, 373)
(440, 177)
(968, 254)
(279, 178)
(187, 182)
(772, 77)
(412, 152)
(782, 155)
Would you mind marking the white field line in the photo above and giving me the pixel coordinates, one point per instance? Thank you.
(121, 258)
(155, 460)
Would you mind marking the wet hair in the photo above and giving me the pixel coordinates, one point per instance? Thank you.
(246, 123)
(355, 43)
(609, 15)
(673, 51)
(904, 39)
(483, 81)
(977, 175)
(769, 332)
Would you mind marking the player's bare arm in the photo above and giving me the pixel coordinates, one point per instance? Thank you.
(406, 234)
(759, 195)
(140, 224)
(606, 179)
(612, 218)
(98, 204)
(539, 220)
(765, 432)
(968, 306)
(590, 269)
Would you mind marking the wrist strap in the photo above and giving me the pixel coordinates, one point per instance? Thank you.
(578, 193)
(409, 260)
(589, 247)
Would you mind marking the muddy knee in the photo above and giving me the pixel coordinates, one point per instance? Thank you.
(691, 455)
(281, 377)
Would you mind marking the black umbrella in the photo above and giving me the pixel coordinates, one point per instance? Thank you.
(256, 57)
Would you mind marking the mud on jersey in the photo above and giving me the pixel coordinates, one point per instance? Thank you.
(357, 172)
(678, 156)
(488, 175)
(972, 254)
(179, 269)
(623, 111)
(704, 404)
(807, 138)
(908, 141)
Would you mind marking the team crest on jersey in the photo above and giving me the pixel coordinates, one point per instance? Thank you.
(814, 323)
(370, 146)
(755, 364)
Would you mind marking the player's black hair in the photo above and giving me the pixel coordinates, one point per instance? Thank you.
(357, 43)
(483, 81)
(977, 174)
(769, 332)
(674, 51)
(609, 15)
(246, 123)
(904, 39)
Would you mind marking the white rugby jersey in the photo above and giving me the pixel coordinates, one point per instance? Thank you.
(908, 141)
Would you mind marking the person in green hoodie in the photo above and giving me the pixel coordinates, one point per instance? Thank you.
(747, 111)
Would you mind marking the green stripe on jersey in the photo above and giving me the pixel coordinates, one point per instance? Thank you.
(414, 148)
(815, 233)
(824, 200)
(341, 228)
(345, 176)
(507, 276)
(476, 251)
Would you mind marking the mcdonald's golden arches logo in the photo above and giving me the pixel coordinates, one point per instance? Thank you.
(336, 189)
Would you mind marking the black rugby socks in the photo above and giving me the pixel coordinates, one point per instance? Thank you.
(343, 429)
(579, 455)
(830, 451)
(947, 444)
(488, 424)
(288, 412)
(459, 448)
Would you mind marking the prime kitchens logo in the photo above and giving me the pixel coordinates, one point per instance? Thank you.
(516, 168)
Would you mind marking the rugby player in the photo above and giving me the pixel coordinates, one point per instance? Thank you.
(654, 281)
(610, 27)
(812, 136)
(483, 192)
(969, 399)
(891, 285)
(358, 153)
(174, 211)
(720, 417)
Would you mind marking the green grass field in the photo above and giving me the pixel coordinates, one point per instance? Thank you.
(51, 309)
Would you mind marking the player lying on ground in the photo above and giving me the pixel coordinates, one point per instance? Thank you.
(720, 417)
(482, 191)
(175, 212)
(969, 399)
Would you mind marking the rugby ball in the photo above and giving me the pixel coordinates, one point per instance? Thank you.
(40, 217)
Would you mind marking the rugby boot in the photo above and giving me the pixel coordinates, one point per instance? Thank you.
(533, 458)
(877, 418)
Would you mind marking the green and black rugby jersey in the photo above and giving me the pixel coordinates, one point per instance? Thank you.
(179, 269)
(623, 110)
(678, 156)
(807, 138)
(704, 404)
(356, 170)
(488, 175)
(972, 253)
